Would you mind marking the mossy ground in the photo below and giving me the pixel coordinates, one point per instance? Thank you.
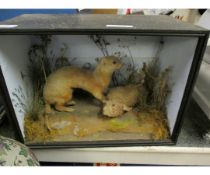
(86, 123)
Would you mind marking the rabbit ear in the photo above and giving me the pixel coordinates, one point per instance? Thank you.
(126, 108)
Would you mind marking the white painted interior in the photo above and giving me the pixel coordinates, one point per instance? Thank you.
(13, 60)
(177, 52)
(86, 50)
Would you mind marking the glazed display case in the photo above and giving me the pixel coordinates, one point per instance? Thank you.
(98, 80)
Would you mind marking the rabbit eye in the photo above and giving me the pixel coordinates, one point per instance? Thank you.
(114, 62)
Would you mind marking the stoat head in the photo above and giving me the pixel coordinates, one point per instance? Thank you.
(110, 63)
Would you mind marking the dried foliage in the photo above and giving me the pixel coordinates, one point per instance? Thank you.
(62, 60)
(154, 85)
(39, 68)
(35, 108)
(36, 130)
(161, 90)
(39, 64)
(157, 84)
(154, 121)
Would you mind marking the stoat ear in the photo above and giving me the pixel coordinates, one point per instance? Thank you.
(105, 59)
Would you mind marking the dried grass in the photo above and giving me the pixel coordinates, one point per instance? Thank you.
(36, 130)
(41, 65)
(153, 85)
(35, 108)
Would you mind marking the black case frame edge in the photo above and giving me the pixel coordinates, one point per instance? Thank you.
(198, 55)
(193, 74)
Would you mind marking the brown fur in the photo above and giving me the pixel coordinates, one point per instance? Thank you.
(60, 84)
(120, 99)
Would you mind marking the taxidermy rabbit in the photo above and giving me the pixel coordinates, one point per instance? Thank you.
(121, 99)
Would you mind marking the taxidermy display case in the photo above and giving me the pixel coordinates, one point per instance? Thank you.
(98, 80)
